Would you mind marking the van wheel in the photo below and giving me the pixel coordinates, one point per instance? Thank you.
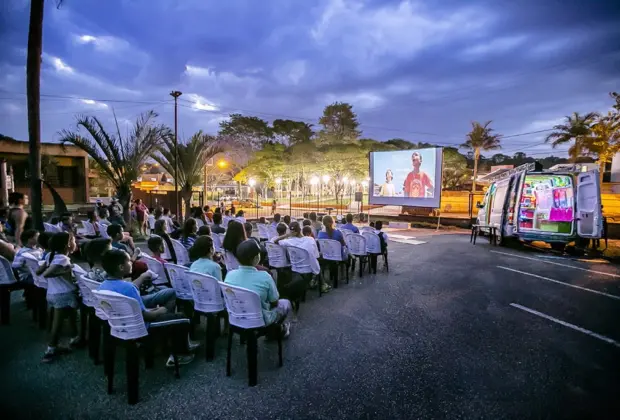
(558, 246)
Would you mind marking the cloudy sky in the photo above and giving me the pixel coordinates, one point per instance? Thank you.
(415, 69)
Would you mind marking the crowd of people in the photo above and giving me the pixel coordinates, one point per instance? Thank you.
(114, 261)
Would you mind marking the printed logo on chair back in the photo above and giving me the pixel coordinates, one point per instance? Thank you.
(243, 306)
(373, 243)
(206, 292)
(356, 244)
(277, 255)
(179, 281)
(330, 249)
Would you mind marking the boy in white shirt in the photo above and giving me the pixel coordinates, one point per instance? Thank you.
(29, 240)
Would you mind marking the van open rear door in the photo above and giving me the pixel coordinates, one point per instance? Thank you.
(589, 213)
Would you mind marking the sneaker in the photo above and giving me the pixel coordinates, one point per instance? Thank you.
(183, 360)
(49, 355)
(77, 343)
(192, 345)
(286, 329)
(326, 288)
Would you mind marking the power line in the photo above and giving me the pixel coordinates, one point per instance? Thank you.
(63, 97)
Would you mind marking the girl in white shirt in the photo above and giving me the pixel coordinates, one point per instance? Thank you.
(61, 292)
(387, 189)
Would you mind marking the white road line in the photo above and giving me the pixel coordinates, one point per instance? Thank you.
(561, 282)
(555, 263)
(566, 324)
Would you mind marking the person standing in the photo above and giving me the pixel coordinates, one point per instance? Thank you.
(417, 181)
(116, 206)
(18, 219)
(141, 215)
(387, 189)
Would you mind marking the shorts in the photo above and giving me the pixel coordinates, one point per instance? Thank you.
(159, 298)
(63, 300)
(283, 309)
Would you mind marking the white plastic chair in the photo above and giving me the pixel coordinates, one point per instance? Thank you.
(40, 291)
(346, 232)
(367, 229)
(124, 316)
(278, 258)
(103, 230)
(331, 250)
(356, 243)
(151, 221)
(263, 231)
(178, 279)
(301, 264)
(199, 222)
(245, 317)
(217, 242)
(89, 228)
(157, 268)
(51, 228)
(208, 300)
(230, 261)
(272, 232)
(373, 246)
(166, 254)
(181, 252)
(8, 283)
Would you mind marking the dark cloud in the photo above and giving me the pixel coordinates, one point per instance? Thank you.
(409, 67)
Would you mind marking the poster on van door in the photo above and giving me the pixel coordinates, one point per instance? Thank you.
(406, 177)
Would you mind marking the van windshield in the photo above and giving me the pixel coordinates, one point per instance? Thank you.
(547, 204)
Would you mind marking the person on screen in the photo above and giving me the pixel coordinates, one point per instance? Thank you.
(387, 189)
(417, 181)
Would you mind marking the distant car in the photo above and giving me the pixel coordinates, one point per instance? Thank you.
(248, 204)
(228, 198)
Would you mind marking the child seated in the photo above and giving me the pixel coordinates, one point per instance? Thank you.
(29, 240)
(156, 246)
(93, 251)
(117, 265)
(202, 251)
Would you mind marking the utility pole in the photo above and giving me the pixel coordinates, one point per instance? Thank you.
(175, 94)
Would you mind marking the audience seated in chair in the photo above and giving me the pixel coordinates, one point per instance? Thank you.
(157, 307)
(248, 277)
(29, 239)
(92, 252)
(217, 224)
(188, 236)
(202, 253)
(349, 225)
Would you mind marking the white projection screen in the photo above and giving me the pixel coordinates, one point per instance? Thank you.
(406, 177)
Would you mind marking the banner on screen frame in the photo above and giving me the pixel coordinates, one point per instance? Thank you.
(406, 177)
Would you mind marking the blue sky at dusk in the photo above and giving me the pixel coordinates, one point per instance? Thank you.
(419, 70)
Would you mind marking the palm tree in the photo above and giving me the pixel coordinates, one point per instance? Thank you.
(119, 158)
(605, 139)
(576, 128)
(481, 138)
(193, 156)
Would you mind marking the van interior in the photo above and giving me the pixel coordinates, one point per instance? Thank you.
(547, 204)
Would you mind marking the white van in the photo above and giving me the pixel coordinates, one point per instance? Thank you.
(550, 206)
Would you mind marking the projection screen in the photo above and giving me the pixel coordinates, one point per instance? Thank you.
(406, 177)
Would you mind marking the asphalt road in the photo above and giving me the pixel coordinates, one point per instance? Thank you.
(453, 331)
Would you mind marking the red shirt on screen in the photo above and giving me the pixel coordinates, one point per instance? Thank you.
(415, 184)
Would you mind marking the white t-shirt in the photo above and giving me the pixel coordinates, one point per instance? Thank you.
(57, 285)
(309, 244)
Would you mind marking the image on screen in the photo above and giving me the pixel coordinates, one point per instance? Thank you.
(406, 177)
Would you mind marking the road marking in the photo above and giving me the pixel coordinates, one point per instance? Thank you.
(566, 324)
(561, 282)
(407, 241)
(400, 236)
(555, 263)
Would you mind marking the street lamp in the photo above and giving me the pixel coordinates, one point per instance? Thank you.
(175, 94)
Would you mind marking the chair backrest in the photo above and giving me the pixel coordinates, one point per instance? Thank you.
(356, 244)
(6, 274)
(300, 260)
(217, 242)
(345, 232)
(181, 251)
(330, 249)
(156, 267)
(278, 258)
(230, 261)
(243, 307)
(199, 222)
(32, 263)
(151, 221)
(206, 291)
(88, 298)
(263, 231)
(89, 228)
(373, 243)
(51, 228)
(179, 282)
(123, 314)
(103, 230)
(367, 229)
(272, 232)
(166, 255)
